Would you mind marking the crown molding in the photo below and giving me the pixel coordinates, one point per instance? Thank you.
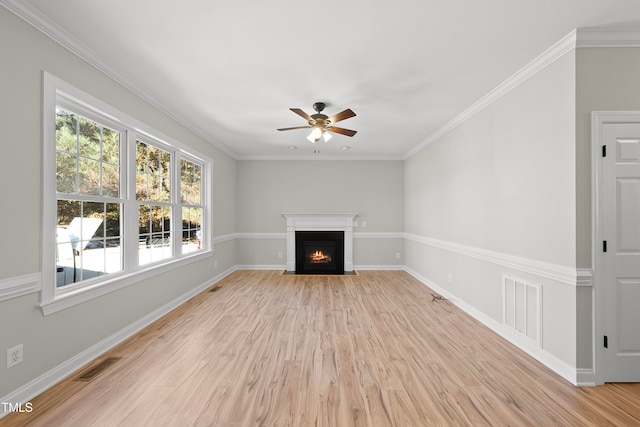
(608, 37)
(566, 44)
(579, 38)
(65, 39)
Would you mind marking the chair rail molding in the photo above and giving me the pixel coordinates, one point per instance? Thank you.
(20, 285)
(559, 273)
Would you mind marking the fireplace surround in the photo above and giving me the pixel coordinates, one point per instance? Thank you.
(329, 222)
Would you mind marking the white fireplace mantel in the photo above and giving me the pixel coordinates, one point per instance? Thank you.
(319, 222)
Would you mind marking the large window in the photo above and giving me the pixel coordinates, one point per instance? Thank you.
(88, 203)
(121, 200)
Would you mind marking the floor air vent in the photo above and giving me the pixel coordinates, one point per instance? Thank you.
(92, 373)
(522, 307)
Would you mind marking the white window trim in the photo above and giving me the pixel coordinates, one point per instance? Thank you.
(53, 299)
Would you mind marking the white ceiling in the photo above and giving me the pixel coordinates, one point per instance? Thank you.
(231, 70)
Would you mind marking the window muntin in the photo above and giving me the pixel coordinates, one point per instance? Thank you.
(90, 174)
(88, 208)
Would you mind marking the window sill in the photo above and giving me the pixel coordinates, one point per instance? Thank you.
(87, 293)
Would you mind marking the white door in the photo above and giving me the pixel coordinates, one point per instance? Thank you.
(619, 209)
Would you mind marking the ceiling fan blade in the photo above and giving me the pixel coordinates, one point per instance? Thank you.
(301, 113)
(296, 127)
(342, 131)
(346, 114)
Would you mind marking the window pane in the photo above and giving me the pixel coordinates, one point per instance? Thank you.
(67, 211)
(141, 186)
(89, 177)
(165, 163)
(110, 180)
(186, 178)
(83, 250)
(191, 229)
(113, 252)
(66, 131)
(144, 219)
(112, 226)
(165, 190)
(141, 156)
(190, 183)
(197, 181)
(153, 160)
(153, 177)
(89, 138)
(157, 219)
(154, 233)
(154, 188)
(110, 146)
(65, 173)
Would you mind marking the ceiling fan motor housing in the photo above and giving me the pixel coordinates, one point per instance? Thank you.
(319, 106)
(319, 120)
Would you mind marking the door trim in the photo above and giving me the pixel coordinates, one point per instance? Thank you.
(598, 120)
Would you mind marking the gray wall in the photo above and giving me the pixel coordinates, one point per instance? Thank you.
(49, 341)
(267, 189)
(606, 80)
(502, 184)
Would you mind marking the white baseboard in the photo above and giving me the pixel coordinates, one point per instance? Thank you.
(586, 378)
(284, 267)
(560, 367)
(60, 372)
(261, 267)
(378, 267)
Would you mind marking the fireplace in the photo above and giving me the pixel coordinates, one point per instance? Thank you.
(322, 222)
(319, 252)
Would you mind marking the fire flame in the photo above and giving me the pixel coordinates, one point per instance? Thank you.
(319, 257)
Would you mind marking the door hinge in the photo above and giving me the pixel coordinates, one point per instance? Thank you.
(606, 342)
(604, 151)
(604, 246)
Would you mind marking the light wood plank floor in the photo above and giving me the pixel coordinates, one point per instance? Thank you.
(265, 349)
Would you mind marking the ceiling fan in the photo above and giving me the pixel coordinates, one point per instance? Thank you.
(321, 124)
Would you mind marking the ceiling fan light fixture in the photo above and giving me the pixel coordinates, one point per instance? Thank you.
(315, 134)
(326, 136)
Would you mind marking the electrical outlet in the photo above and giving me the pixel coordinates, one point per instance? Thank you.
(397, 255)
(364, 223)
(14, 356)
(450, 277)
(215, 263)
(279, 254)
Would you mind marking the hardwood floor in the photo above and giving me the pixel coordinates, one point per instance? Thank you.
(266, 349)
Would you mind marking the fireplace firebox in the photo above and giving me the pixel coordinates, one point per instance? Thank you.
(319, 252)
